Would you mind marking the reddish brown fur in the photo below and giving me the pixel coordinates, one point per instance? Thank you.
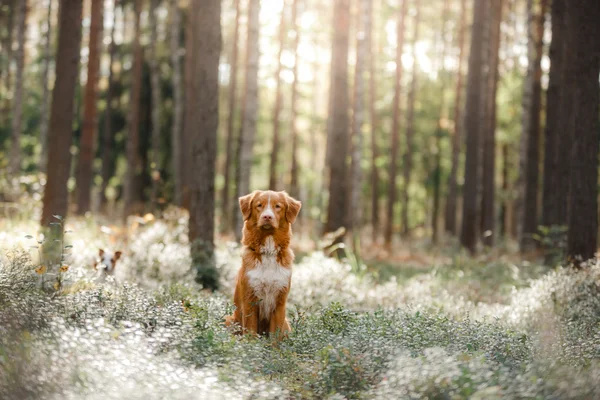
(255, 233)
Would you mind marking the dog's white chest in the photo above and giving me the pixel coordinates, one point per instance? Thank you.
(268, 278)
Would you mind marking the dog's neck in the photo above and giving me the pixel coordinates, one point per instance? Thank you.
(266, 243)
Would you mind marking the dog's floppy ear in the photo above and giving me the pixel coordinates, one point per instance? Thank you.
(117, 255)
(246, 205)
(293, 208)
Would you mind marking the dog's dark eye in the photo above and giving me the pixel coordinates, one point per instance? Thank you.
(259, 205)
(277, 206)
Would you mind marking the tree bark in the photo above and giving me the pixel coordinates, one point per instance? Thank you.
(61, 113)
(133, 139)
(87, 145)
(410, 124)
(393, 168)
(338, 133)
(468, 237)
(155, 163)
(374, 122)
(532, 166)
(489, 129)
(9, 56)
(583, 95)
(176, 129)
(44, 115)
(249, 108)
(294, 172)
(231, 106)
(17, 106)
(273, 179)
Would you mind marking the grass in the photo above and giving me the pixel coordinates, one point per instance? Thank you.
(456, 328)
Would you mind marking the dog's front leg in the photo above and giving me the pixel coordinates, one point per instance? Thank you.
(279, 324)
(250, 316)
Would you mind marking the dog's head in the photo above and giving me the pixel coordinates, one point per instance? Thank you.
(269, 210)
(107, 260)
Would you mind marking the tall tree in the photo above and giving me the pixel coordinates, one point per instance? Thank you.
(133, 139)
(231, 107)
(90, 111)
(249, 108)
(393, 168)
(363, 31)
(488, 210)
(338, 118)
(294, 189)
(155, 163)
(468, 237)
(108, 133)
(8, 44)
(531, 126)
(61, 113)
(278, 100)
(410, 121)
(374, 123)
(176, 128)
(582, 94)
(44, 115)
(556, 141)
(201, 124)
(451, 202)
(17, 105)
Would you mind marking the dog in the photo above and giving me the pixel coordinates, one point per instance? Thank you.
(264, 279)
(107, 262)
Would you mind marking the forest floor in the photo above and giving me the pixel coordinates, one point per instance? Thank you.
(424, 323)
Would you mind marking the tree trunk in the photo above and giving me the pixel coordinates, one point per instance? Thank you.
(133, 139)
(176, 129)
(556, 183)
(108, 134)
(410, 123)
(17, 106)
(532, 166)
(338, 133)
(363, 32)
(393, 168)
(374, 122)
(9, 55)
(44, 115)
(468, 237)
(294, 189)
(583, 95)
(277, 108)
(155, 163)
(231, 106)
(249, 108)
(451, 201)
(504, 217)
(61, 113)
(87, 145)
(201, 124)
(488, 209)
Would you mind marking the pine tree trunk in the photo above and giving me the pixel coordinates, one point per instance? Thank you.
(488, 209)
(90, 122)
(532, 166)
(9, 56)
(44, 115)
(273, 181)
(201, 124)
(231, 106)
(133, 139)
(155, 164)
(374, 122)
(339, 119)
(470, 220)
(583, 95)
(410, 124)
(556, 184)
(108, 134)
(393, 168)
(504, 216)
(249, 108)
(61, 113)
(294, 172)
(177, 131)
(17, 105)
(451, 202)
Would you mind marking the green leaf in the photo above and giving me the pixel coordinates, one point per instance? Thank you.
(69, 246)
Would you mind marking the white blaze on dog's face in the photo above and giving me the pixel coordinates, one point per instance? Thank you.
(268, 209)
(107, 261)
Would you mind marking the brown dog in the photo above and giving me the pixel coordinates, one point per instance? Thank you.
(264, 280)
